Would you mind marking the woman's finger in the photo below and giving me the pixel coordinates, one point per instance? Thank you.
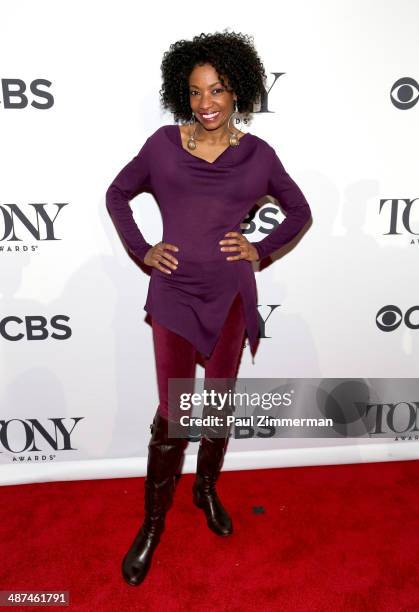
(171, 247)
(169, 260)
(160, 267)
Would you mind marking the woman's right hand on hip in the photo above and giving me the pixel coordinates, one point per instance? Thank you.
(158, 257)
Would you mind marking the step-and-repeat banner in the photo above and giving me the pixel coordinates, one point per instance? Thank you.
(338, 308)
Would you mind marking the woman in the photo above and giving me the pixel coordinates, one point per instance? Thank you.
(206, 176)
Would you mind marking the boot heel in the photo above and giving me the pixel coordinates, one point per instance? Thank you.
(196, 498)
(197, 503)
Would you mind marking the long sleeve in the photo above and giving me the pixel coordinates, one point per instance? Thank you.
(282, 187)
(130, 181)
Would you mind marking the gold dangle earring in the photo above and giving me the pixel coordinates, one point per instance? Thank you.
(234, 141)
(191, 140)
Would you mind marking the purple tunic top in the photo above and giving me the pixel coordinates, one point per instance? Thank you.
(201, 201)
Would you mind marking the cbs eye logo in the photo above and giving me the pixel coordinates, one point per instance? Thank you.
(405, 93)
(390, 318)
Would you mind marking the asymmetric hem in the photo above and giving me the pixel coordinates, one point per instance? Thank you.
(200, 202)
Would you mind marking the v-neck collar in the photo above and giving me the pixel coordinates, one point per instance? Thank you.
(201, 159)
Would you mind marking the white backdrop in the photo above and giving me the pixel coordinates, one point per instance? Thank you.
(76, 351)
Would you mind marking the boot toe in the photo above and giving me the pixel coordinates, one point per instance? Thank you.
(221, 525)
(134, 571)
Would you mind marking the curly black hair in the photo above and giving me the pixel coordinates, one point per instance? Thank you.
(231, 54)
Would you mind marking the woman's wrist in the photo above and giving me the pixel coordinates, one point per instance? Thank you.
(142, 251)
(255, 245)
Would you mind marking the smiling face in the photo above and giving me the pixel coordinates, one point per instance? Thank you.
(210, 100)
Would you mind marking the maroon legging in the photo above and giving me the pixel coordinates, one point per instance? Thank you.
(176, 357)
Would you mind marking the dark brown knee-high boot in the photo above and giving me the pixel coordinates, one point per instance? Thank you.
(210, 459)
(164, 459)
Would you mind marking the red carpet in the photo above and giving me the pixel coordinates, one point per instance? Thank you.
(342, 537)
